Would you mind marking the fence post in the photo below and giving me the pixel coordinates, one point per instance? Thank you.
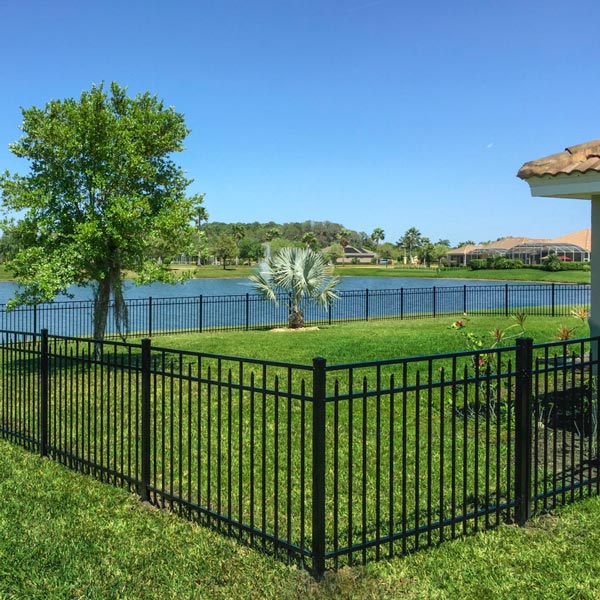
(44, 393)
(506, 300)
(464, 299)
(318, 467)
(401, 303)
(35, 318)
(149, 316)
(247, 311)
(524, 363)
(367, 304)
(553, 299)
(144, 490)
(329, 305)
(200, 308)
(434, 302)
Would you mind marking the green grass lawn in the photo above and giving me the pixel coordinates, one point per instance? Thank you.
(524, 274)
(65, 535)
(364, 341)
(213, 272)
(209, 271)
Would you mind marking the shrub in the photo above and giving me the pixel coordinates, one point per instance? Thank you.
(553, 263)
(477, 264)
(495, 262)
(568, 265)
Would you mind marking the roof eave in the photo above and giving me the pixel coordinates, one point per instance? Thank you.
(578, 186)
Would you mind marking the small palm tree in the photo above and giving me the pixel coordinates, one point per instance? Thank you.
(302, 273)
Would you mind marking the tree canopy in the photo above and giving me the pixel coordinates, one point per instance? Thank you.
(101, 189)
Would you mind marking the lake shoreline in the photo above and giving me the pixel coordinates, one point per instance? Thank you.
(531, 276)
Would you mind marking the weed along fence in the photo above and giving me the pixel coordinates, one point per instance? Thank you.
(153, 316)
(322, 465)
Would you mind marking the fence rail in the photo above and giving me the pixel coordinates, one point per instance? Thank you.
(150, 317)
(320, 464)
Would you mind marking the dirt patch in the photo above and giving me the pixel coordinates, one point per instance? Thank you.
(282, 329)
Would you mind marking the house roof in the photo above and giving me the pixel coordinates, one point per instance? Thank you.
(583, 158)
(358, 252)
(504, 244)
(510, 242)
(582, 238)
(464, 249)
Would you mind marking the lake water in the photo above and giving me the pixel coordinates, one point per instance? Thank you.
(202, 304)
(227, 287)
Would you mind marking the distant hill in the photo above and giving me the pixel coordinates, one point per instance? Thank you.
(325, 232)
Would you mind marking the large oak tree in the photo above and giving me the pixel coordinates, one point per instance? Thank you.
(101, 189)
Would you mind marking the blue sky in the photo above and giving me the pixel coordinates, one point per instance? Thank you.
(372, 113)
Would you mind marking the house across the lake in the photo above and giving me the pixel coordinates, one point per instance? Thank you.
(353, 254)
(574, 246)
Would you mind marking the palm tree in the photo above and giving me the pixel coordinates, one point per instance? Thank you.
(300, 272)
(343, 236)
(200, 217)
(410, 240)
(238, 231)
(378, 235)
(270, 235)
(310, 240)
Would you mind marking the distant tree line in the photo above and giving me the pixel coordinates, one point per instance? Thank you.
(249, 242)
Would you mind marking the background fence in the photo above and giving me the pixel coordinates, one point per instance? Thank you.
(319, 464)
(155, 316)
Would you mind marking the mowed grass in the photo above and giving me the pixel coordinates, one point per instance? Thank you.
(366, 341)
(65, 535)
(507, 275)
(349, 270)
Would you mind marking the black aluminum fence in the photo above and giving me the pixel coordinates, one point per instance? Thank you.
(154, 316)
(320, 464)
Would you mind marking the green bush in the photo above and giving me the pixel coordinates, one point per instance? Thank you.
(477, 264)
(553, 263)
(495, 262)
(500, 262)
(567, 265)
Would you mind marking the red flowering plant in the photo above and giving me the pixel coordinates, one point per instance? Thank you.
(486, 363)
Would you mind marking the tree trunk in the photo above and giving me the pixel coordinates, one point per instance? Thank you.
(102, 291)
(296, 319)
(101, 302)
